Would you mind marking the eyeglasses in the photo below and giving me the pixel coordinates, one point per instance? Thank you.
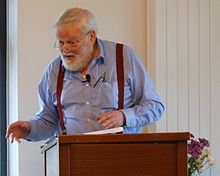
(74, 44)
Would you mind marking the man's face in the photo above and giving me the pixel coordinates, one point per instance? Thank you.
(76, 47)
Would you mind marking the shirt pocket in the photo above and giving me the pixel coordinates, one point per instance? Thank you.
(105, 96)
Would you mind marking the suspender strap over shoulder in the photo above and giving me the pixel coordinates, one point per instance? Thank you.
(120, 74)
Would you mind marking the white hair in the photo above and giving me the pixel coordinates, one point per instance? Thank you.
(82, 17)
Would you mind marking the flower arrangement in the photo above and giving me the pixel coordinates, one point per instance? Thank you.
(199, 156)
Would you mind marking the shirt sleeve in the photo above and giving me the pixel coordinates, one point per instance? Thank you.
(44, 124)
(148, 107)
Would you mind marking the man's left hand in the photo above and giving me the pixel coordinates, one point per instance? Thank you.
(112, 119)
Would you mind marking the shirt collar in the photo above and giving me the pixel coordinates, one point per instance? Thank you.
(101, 56)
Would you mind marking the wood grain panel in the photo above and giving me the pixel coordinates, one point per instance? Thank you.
(94, 159)
(183, 66)
(172, 72)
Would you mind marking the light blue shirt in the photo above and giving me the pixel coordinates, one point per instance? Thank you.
(81, 102)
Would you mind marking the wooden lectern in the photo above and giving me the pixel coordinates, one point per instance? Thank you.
(151, 154)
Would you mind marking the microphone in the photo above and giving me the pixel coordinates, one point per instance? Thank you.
(88, 79)
(102, 79)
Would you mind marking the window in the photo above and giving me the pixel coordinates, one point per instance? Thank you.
(3, 146)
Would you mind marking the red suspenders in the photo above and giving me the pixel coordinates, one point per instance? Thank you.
(59, 90)
(120, 74)
(120, 78)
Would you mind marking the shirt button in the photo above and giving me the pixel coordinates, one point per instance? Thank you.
(87, 103)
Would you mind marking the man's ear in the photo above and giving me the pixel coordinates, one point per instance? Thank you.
(93, 36)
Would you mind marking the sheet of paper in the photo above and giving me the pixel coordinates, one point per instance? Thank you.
(107, 131)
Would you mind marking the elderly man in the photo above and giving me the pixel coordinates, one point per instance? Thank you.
(93, 85)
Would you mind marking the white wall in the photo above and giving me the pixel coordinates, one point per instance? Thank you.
(186, 68)
(30, 49)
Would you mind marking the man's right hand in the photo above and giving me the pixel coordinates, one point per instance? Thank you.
(18, 130)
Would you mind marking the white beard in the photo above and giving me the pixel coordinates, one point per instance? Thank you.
(74, 64)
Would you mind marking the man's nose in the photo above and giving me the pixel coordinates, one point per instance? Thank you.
(66, 48)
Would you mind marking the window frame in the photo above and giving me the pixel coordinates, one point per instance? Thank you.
(3, 55)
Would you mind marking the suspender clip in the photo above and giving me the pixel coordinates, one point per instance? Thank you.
(64, 131)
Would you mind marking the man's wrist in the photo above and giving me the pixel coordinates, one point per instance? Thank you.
(123, 119)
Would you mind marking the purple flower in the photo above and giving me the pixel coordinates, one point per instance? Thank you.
(198, 155)
(195, 147)
(203, 142)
